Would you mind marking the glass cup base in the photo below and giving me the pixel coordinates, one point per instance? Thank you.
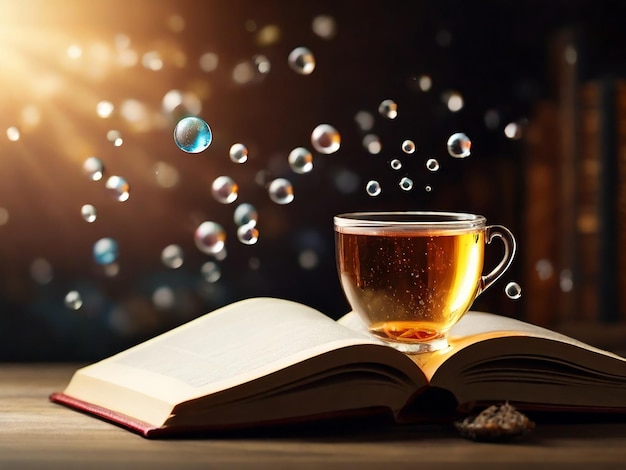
(418, 347)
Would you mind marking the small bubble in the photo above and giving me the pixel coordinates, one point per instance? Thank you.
(373, 188)
(432, 164)
(544, 268)
(454, 101)
(262, 64)
(41, 271)
(115, 137)
(13, 134)
(566, 280)
(172, 256)
(166, 175)
(163, 298)
(248, 234)
(224, 189)
(388, 109)
(302, 60)
(209, 61)
(104, 109)
(192, 134)
(325, 139)
(300, 160)
(93, 168)
(211, 271)
(210, 237)
(513, 290)
(324, 26)
(459, 145)
(365, 120)
(89, 213)
(428, 188)
(406, 183)
(308, 259)
(118, 187)
(408, 147)
(513, 131)
(395, 164)
(245, 213)
(73, 300)
(425, 83)
(238, 153)
(372, 144)
(280, 191)
(105, 251)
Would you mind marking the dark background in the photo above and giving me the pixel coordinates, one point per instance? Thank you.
(495, 54)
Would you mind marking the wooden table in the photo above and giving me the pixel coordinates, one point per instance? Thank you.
(35, 433)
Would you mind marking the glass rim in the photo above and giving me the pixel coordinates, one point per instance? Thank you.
(409, 220)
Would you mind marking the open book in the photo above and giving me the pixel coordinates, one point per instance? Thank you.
(265, 361)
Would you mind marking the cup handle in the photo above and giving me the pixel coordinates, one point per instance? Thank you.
(510, 247)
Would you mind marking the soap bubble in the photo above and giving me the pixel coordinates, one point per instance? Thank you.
(238, 153)
(172, 256)
(211, 271)
(406, 183)
(373, 188)
(408, 146)
(244, 214)
(302, 60)
(105, 251)
(513, 290)
(73, 300)
(89, 213)
(210, 237)
(325, 139)
(388, 109)
(118, 186)
(224, 189)
(93, 168)
(300, 160)
(248, 234)
(459, 145)
(192, 134)
(280, 191)
(432, 164)
(395, 164)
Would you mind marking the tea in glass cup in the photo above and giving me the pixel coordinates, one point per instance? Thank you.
(411, 276)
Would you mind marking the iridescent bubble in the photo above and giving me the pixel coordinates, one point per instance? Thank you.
(89, 213)
(172, 256)
(325, 139)
(300, 160)
(105, 251)
(192, 134)
(211, 271)
(459, 145)
(395, 164)
(302, 60)
(244, 214)
(248, 234)
(115, 137)
(210, 237)
(224, 189)
(238, 153)
(93, 168)
(513, 290)
(118, 187)
(408, 147)
(73, 300)
(432, 164)
(406, 183)
(373, 188)
(280, 191)
(388, 109)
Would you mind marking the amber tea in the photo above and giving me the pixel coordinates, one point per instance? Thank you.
(412, 275)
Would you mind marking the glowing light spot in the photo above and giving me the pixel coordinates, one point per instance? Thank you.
(172, 256)
(93, 168)
(324, 26)
(73, 300)
(105, 251)
(388, 109)
(13, 134)
(372, 144)
(105, 109)
(118, 187)
(88, 212)
(425, 83)
(209, 61)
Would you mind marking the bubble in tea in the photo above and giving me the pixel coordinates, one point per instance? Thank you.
(210, 237)
(93, 168)
(118, 187)
(73, 300)
(192, 134)
(248, 234)
(105, 251)
(388, 109)
(172, 256)
(301, 60)
(325, 139)
(406, 183)
(432, 164)
(280, 191)
(373, 188)
(224, 189)
(513, 290)
(245, 213)
(459, 145)
(395, 164)
(300, 160)
(408, 147)
(88, 213)
(238, 153)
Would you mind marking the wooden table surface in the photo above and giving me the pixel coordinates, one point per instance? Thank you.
(35, 433)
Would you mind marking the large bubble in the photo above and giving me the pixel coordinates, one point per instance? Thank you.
(300, 160)
(325, 139)
(248, 234)
(210, 237)
(238, 153)
(224, 189)
(302, 60)
(388, 109)
(192, 134)
(459, 145)
(244, 214)
(280, 191)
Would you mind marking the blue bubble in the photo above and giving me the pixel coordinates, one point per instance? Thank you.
(105, 251)
(192, 134)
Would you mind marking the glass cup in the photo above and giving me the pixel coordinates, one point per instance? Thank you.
(411, 276)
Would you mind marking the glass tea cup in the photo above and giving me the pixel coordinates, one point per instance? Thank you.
(410, 276)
